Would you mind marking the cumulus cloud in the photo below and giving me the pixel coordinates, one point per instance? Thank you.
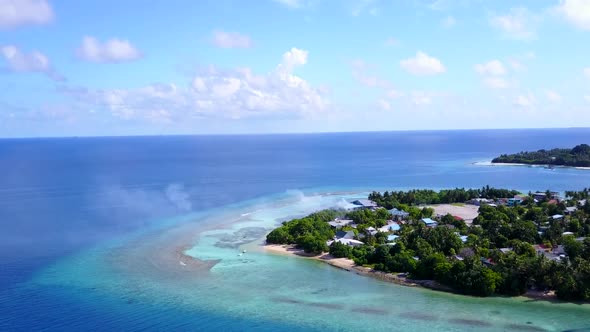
(553, 96)
(33, 62)
(225, 39)
(518, 23)
(391, 42)
(291, 3)
(493, 68)
(525, 101)
(576, 12)
(113, 50)
(492, 72)
(496, 82)
(384, 104)
(214, 93)
(15, 13)
(423, 64)
(449, 21)
(361, 71)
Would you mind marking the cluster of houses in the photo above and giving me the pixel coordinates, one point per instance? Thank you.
(399, 217)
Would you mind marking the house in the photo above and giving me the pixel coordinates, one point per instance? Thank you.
(505, 250)
(348, 242)
(399, 214)
(582, 202)
(516, 200)
(570, 209)
(365, 204)
(479, 201)
(429, 222)
(371, 230)
(557, 216)
(339, 223)
(392, 237)
(344, 235)
(463, 238)
(487, 261)
(567, 233)
(540, 196)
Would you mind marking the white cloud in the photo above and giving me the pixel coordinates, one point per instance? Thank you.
(225, 39)
(33, 62)
(496, 82)
(14, 13)
(420, 98)
(553, 96)
(393, 94)
(361, 6)
(519, 23)
(525, 101)
(493, 67)
(291, 3)
(391, 42)
(361, 71)
(449, 21)
(111, 51)
(215, 93)
(586, 72)
(576, 12)
(384, 104)
(423, 64)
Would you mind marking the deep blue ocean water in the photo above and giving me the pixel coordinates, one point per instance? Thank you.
(62, 196)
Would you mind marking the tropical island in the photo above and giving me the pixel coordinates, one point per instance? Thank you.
(579, 156)
(533, 244)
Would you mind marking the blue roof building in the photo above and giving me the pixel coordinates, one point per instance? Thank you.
(429, 222)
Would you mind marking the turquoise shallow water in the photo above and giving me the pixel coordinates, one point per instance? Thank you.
(273, 289)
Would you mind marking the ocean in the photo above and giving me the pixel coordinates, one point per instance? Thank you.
(93, 230)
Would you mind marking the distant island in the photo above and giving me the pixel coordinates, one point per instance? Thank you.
(478, 242)
(579, 156)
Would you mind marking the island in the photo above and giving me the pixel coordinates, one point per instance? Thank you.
(579, 156)
(514, 244)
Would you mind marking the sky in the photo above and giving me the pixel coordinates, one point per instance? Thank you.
(109, 67)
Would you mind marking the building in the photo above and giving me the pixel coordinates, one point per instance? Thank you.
(344, 235)
(339, 223)
(479, 201)
(348, 242)
(557, 216)
(371, 230)
(399, 214)
(516, 200)
(429, 222)
(570, 209)
(365, 204)
(392, 237)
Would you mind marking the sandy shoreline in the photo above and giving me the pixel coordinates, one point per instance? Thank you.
(399, 279)
(489, 163)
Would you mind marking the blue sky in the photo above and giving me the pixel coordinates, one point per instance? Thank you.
(73, 68)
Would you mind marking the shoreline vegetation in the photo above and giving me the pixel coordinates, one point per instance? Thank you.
(534, 245)
(579, 156)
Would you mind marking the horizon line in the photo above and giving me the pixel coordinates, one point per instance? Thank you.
(290, 133)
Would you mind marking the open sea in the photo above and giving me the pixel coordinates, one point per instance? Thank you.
(93, 231)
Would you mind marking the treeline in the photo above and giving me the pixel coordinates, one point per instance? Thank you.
(391, 199)
(579, 156)
(310, 233)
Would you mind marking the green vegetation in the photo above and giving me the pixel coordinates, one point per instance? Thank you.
(391, 199)
(535, 252)
(579, 156)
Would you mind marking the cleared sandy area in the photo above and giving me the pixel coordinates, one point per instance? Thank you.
(467, 212)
